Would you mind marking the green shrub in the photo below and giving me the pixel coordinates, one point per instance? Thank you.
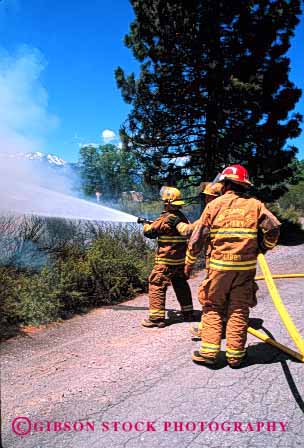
(9, 283)
(38, 301)
(291, 228)
(119, 264)
(90, 266)
(294, 198)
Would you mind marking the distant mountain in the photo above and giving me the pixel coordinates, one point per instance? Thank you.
(46, 160)
(49, 159)
(45, 170)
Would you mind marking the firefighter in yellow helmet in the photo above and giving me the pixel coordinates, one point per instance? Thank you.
(211, 191)
(169, 261)
(233, 222)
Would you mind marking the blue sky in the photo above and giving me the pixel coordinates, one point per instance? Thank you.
(57, 62)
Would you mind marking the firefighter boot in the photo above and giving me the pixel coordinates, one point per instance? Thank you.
(197, 356)
(235, 363)
(149, 323)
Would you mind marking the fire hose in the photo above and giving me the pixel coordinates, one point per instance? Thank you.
(281, 276)
(285, 317)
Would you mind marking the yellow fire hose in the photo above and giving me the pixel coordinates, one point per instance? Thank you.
(276, 344)
(281, 276)
(286, 319)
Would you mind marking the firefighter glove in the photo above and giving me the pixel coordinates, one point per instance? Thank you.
(173, 220)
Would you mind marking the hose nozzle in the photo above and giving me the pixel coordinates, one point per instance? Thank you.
(141, 220)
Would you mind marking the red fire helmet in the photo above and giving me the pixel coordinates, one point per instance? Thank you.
(235, 173)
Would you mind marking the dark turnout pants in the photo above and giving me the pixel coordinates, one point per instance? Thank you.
(160, 278)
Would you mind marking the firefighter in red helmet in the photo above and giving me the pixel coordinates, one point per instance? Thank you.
(233, 222)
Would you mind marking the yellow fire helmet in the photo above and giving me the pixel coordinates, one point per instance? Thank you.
(171, 195)
(213, 189)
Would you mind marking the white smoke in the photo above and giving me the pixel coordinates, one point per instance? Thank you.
(24, 118)
(29, 188)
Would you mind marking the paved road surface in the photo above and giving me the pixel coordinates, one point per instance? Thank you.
(103, 368)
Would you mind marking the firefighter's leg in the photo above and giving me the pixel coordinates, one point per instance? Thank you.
(213, 293)
(242, 297)
(197, 331)
(158, 284)
(183, 292)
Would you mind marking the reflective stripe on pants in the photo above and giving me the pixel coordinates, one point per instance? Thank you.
(159, 280)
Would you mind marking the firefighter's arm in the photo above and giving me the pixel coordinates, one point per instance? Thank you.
(269, 230)
(185, 229)
(149, 232)
(196, 243)
(195, 246)
(156, 228)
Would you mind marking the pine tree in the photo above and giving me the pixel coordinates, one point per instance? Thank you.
(213, 90)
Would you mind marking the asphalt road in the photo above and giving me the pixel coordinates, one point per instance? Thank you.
(103, 367)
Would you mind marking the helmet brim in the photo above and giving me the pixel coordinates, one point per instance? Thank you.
(245, 182)
(210, 194)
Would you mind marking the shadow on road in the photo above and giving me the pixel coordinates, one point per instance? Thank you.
(126, 308)
(292, 386)
(260, 353)
(9, 331)
(174, 316)
(289, 378)
(263, 353)
(256, 323)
